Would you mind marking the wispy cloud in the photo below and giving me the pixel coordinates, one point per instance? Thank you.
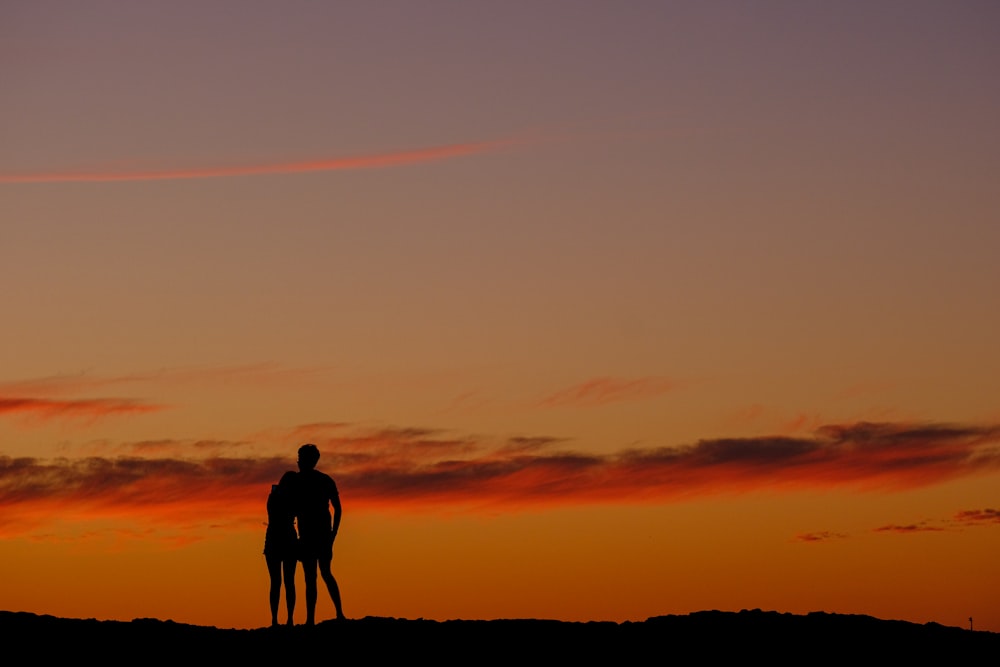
(47, 398)
(174, 447)
(959, 521)
(822, 536)
(985, 516)
(353, 162)
(922, 527)
(260, 374)
(604, 390)
(801, 423)
(785, 422)
(87, 408)
(413, 468)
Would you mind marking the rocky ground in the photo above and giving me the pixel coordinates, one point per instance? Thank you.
(708, 637)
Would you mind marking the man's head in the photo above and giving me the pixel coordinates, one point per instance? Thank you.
(308, 457)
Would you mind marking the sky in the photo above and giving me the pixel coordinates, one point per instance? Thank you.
(595, 311)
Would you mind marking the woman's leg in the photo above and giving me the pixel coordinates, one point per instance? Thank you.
(274, 572)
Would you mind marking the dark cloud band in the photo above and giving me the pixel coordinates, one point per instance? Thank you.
(410, 468)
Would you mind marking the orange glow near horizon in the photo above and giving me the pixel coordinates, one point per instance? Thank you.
(528, 572)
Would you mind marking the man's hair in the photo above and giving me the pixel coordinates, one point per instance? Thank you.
(309, 455)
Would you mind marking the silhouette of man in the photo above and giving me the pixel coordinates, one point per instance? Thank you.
(316, 491)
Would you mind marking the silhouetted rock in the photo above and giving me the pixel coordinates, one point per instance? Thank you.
(706, 636)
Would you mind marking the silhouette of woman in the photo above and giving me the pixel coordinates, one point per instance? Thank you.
(281, 545)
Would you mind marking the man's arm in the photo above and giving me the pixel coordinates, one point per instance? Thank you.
(337, 511)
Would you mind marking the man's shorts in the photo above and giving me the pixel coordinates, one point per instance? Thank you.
(316, 546)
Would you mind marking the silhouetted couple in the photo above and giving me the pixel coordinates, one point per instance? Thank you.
(304, 497)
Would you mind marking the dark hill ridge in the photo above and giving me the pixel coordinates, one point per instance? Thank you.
(706, 635)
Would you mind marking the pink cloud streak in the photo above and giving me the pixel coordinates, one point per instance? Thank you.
(373, 161)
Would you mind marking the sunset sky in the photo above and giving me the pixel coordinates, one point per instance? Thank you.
(595, 310)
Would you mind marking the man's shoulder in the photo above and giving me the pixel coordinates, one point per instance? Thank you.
(317, 475)
(327, 480)
(318, 478)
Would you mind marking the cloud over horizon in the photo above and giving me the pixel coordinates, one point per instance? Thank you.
(425, 469)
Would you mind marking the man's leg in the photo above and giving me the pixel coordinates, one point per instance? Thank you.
(289, 572)
(331, 586)
(309, 571)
